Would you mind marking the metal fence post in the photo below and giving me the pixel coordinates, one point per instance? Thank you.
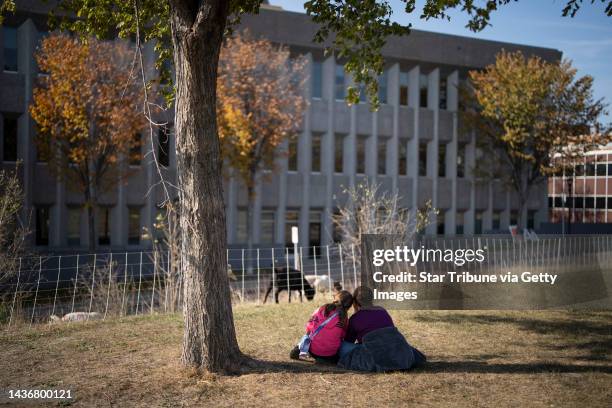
(93, 283)
(139, 284)
(125, 272)
(154, 276)
(110, 276)
(242, 296)
(258, 278)
(59, 271)
(341, 265)
(354, 267)
(15, 295)
(36, 294)
(329, 278)
(76, 282)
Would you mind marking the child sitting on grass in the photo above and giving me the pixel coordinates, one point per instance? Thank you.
(325, 344)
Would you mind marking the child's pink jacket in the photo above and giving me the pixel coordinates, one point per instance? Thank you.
(327, 342)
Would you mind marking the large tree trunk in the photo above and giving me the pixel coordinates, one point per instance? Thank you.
(209, 337)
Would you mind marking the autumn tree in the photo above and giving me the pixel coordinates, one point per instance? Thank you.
(260, 102)
(86, 108)
(527, 114)
(191, 33)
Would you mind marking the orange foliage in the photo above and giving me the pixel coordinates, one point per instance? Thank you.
(86, 107)
(260, 102)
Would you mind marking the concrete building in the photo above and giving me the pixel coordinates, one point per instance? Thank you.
(584, 195)
(411, 145)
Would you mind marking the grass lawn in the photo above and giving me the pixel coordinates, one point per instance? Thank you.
(534, 359)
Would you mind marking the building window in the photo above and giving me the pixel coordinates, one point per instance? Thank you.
(461, 160)
(513, 217)
(440, 228)
(403, 90)
(478, 222)
(339, 153)
(360, 164)
(134, 226)
(442, 160)
(531, 214)
(267, 227)
(402, 154)
(382, 156)
(496, 221)
(241, 225)
(422, 159)
(317, 79)
(443, 84)
(163, 146)
(292, 158)
(9, 35)
(590, 169)
(340, 87)
(579, 202)
(382, 87)
(314, 229)
(579, 170)
(42, 225)
(316, 153)
(73, 230)
(336, 228)
(104, 236)
(9, 142)
(423, 84)
(601, 169)
(292, 219)
(600, 203)
(136, 150)
(589, 203)
(459, 224)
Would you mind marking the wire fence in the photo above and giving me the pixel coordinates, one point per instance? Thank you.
(98, 286)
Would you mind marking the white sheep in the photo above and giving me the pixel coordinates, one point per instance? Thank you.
(77, 317)
(319, 282)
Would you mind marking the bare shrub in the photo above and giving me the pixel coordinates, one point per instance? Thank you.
(368, 210)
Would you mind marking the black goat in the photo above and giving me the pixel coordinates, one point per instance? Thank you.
(290, 280)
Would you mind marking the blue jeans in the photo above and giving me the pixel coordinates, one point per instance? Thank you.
(346, 348)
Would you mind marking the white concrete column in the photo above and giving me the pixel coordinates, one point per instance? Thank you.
(413, 143)
(393, 75)
(433, 90)
(256, 216)
(470, 159)
(305, 160)
(452, 104)
(281, 209)
(327, 164)
(26, 43)
(231, 207)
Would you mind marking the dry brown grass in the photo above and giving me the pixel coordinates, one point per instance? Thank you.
(535, 359)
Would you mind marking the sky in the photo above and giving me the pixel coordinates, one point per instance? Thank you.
(586, 39)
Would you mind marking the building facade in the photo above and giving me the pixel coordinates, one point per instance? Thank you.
(583, 194)
(412, 145)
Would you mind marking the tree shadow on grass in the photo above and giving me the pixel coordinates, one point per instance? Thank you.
(434, 367)
(481, 367)
(575, 333)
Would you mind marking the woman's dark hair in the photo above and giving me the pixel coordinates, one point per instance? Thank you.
(363, 296)
(343, 302)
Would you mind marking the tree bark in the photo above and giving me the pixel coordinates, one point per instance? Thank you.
(209, 336)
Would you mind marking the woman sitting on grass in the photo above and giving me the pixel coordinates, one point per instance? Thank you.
(372, 342)
(325, 344)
